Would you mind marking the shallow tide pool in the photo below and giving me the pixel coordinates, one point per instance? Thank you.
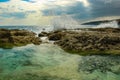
(50, 62)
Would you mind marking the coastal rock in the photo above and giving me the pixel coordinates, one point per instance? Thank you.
(114, 30)
(90, 41)
(43, 34)
(11, 38)
(56, 35)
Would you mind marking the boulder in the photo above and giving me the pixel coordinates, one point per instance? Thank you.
(43, 34)
(56, 36)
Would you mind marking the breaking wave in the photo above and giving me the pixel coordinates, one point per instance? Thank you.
(112, 24)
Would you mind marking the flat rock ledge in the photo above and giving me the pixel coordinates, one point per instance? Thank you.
(100, 41)
(15, 38)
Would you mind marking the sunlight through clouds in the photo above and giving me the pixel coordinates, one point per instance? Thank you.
(25, 10)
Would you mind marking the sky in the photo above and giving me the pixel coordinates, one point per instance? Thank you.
(41, 12)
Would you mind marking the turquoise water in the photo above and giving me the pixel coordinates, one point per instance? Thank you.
(50, 62)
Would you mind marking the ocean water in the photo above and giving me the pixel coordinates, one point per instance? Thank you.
(36, 29)
(49, 62)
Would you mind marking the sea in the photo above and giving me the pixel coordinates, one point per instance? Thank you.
(49, 62)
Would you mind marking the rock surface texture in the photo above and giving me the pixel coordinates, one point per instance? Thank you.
(89, 41)
(11, 38)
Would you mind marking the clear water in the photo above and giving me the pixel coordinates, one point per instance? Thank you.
(50, 62)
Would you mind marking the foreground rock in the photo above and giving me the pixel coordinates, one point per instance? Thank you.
(11, 38)
(89, 41)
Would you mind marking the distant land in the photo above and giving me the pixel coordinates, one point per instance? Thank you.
(97, 22)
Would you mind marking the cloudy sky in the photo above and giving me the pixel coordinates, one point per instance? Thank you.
(41, 12)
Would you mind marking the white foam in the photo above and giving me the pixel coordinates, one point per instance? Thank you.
(64, 22)
(44, 39)
(112, 24)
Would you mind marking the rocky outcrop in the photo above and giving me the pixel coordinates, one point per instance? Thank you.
(43, 34)
(113, 30)
(11, 38)
(57, 35)
(89, 42)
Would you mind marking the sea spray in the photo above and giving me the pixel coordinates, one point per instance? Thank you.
(112, 24)
(63, 22)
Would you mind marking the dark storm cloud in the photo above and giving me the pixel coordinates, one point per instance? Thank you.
(100, 8)
(97, 8)
(77, 10)
(53, 11)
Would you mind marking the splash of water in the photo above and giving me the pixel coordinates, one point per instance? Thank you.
(112, 24)
(64, 22)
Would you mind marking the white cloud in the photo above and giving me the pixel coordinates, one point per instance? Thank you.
(22, 6)
(38, 5)
(85, 2)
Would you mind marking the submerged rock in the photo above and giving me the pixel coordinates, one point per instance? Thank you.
(31, 76)
(11, 38)
(103, 64)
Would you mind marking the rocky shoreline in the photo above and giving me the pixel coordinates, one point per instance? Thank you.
(15, 37)
(98, 41)
(89, 41)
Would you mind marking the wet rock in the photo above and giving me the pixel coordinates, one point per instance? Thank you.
(93, 41)
(11, 38)
(113, 30)
(56, 36)
(43, 34)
